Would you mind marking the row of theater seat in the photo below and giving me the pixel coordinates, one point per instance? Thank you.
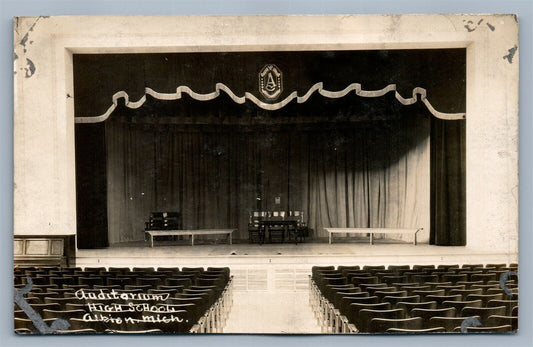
(424, 298)
(168, 300)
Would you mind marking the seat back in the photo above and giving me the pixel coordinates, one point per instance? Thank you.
(352, 310)
(394, 300)
(381, 325)
(426, 314)
(490, 329)
(449, 323)
(408, 306)
(495, 320)
(483, 312)
(366, 315)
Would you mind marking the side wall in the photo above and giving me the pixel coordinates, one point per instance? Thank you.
(45, 189)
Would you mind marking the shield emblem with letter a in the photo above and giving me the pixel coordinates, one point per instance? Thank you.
(270, 81)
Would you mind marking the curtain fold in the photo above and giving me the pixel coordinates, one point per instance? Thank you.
(360, 174)
(448, 183)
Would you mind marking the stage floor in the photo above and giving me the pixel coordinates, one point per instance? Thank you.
(284, 266)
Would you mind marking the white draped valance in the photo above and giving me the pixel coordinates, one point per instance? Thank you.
(418, 93)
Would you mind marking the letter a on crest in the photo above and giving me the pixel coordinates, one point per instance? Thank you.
(270, 82)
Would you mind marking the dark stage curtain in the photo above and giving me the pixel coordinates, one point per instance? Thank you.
(359, 174)
(448, 183)
(91, 186)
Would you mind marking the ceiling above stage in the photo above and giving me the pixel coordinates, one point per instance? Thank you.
(308, 84)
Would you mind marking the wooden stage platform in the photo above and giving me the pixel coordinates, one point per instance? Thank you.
(274, 267)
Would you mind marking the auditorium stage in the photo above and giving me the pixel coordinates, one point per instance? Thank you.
(282, 266)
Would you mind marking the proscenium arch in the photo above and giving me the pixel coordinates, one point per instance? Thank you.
(122, 97)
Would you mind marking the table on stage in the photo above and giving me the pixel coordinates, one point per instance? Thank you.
(372, 231)
(289, 224)
(191, 233)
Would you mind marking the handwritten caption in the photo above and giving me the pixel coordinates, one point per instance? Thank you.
(108, 313)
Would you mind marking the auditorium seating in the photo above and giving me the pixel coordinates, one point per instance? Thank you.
(123, 300)
(417, 299)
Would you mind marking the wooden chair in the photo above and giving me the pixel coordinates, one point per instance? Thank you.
(343, 268)
(276, 229)
(459, 305)
(470, 273)
(184, 281)
(502, 320)
(61, 281)
(62, 301)
(254, 219)
(465, 292)
(425, 292)
(91, 281)
(412, 288)
(391, 279)
(352, 311)
(178, 289)
(141, 332)
(23, 331)
(483, 312)
(120, 281)
(427, 314)
(425, 278)
(416, 331)
(64, 314)
(512, 296)
(166, 269)
(485, 298)
(469, 284)
(71, 306)
(484, 329)
(372, 290)
(20, 314)
(447, 267)
(346, 301)
(395, 268)
(394, 300)
(484, 277)
(449, 323)
(509, 305)
(41, 296)
(144, 287)
(449, 288)
(358, 280)
(75, 332)
(22, 323)
(470, 266)
(40, 307)
(382, 294)
(375, 268)
(381, 325)
(454, 278)
(366, 315)
(337, 296)
(81, 324)
(408, 306)
(153, 282)
(442, 298)
(147, 270)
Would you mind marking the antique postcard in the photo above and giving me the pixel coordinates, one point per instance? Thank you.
(352, 174)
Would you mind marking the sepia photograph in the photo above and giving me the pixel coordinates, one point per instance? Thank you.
(266, 174)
